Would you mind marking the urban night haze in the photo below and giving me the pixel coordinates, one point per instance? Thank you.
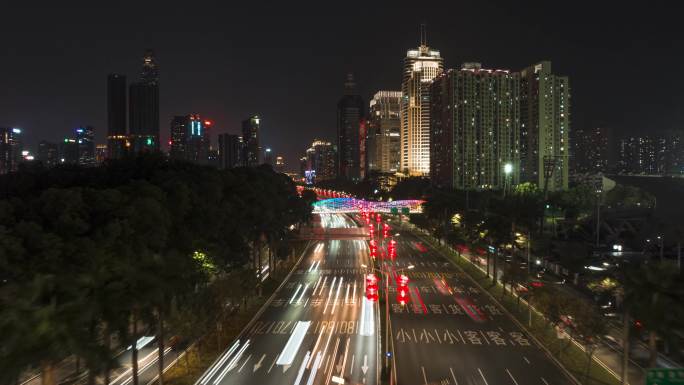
(360, 193)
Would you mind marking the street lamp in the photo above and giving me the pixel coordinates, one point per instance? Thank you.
(508, 169)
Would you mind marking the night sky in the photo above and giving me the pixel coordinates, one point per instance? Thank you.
(287, 62)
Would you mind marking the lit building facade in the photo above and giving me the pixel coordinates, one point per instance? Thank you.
(101, 153)
(117, 136)
(280, 164)
(190, 138)
(48, 153)
(651, 155)
(85, 138)
(545, 127)
(475, 128)
(144, 108)
(350, 112)
(251, 128)
(590, 150)
(383, 143)
(421, 65)
(320, 162)
(10, 149)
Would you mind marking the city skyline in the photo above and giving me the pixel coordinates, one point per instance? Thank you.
(75, 93)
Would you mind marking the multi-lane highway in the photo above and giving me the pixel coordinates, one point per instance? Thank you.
(317, 329)
(452, 333)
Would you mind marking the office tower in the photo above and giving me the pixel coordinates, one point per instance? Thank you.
(268, 156)
(85, 138)
(68, 151)
(48, 153)
(10, 149)
(383, 144)
(100, 153)
(177, 137)
(230, 151)
(545, 125)
(421, 65)
(144, 108)
(190, 138)
(350, 112)
(280, 164)
(250, 137)
(321, 161)
(117, 136)
(590, 150)
(475, 128)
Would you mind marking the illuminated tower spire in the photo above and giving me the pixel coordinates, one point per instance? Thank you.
(150, 71)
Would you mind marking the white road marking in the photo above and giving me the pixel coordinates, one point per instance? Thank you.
(544, 381)
(526, 360)
(424, 378)
(273, 363)
(351, 367)
(483, 377)
(258, 364)
(312, 376)
(512, 378)
(244, 363)
(301, 369)
(453, 376)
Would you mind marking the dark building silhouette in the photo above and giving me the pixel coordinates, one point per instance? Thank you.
(144, 108)
(230, 150)
(116, 116)
(250, 137)
(48, 153)
(10, 149)
(68, 151)
(350, 112)
(177, 137)
(590, 150)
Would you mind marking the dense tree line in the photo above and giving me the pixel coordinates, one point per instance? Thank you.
(90, 256)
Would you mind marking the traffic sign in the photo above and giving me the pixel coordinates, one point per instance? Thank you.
(405, 210)
(394, 210)
(665, 376)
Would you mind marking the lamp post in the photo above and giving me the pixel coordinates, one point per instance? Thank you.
(386, 273)
(508, 169)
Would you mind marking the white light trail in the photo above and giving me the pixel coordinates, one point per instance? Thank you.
(303, 291)
(301, 369)
(232, 362)
(367, 318)
(332, 287)
(295, 293)
(292, 346)
(337, 293)
(318, 340)
(346, 295)
(325, 279)
(316, 287)
(220, 362)
(317, 363)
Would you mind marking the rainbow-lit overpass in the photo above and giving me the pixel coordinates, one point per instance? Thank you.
(353, 205)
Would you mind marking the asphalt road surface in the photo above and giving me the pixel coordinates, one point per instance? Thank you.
(318, 329)
(451, 333)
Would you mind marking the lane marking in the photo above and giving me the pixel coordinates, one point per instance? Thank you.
(424, 378)
(512, 378)
(526, 360)
(351, 366)
(244, 363)
(483, 377)
(453, 376)
(273, 363)
(544, 381)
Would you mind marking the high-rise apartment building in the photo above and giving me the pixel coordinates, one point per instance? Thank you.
(250, 137)
(590, 150)
(10, 149)
(279, 164)
(545, 125)
(350, 112)
(117, 136)
(651, 155)
(475, 128)
(48, 153)
(383, 143)
(320, 161)
(190, 138)
(421, 65)
(85, 138)
(144, 108)
(230, 151)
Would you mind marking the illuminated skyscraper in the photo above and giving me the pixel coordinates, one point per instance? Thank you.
(48, 153)
(85, 138)
(350, 112)
(190, 138)
(10, 149)
(475, 128)
(383, 144)
(144, 108)
(230, 150)
(545, 125)
(320, 161)
(250, 137)
(116, 116)
(421, 65)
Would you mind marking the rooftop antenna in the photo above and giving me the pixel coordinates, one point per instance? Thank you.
(423, 35)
